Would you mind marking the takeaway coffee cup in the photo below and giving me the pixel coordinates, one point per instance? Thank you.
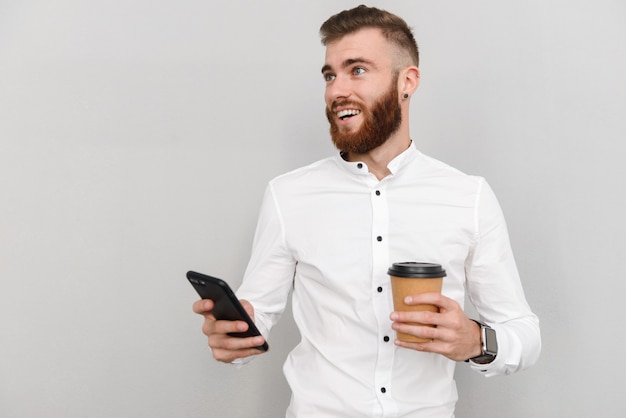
(411, 278)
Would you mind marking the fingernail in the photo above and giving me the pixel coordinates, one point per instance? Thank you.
(408, 299)
(394, 316)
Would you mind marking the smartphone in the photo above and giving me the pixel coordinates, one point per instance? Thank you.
(227, 306)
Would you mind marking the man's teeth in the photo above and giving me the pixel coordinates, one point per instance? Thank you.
(347, 113)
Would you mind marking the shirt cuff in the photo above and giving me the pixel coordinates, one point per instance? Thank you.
(508, 357)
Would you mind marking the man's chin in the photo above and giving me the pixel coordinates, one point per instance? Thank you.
(348, 146)
(348, 129)
(354, 144)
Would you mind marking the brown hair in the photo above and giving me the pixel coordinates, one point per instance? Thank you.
(393, 27)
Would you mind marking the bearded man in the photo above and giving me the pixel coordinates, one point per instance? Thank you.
(329, 232)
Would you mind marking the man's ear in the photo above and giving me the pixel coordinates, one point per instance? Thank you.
(409, 80)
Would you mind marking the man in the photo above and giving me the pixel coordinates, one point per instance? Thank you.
(331, 230)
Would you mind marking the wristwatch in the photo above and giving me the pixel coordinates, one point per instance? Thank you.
(488, 344)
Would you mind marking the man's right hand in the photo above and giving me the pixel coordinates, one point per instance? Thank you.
(224, 347)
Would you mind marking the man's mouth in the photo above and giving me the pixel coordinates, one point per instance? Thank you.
(347, 113)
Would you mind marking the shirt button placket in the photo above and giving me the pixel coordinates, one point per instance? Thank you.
(379, 238)
(381, 302)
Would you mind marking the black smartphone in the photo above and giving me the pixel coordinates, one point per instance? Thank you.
(227, 306)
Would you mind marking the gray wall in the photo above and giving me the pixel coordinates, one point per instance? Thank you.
(136, 138)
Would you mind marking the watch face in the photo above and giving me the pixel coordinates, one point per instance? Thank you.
(491, 344)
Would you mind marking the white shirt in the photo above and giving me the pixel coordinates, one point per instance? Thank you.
(331, 230)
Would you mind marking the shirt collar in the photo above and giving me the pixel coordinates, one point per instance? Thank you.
(403, 159)
(395, 165)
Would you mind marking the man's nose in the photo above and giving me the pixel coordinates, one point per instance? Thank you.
(338, 89)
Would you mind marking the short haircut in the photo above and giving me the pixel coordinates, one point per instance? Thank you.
(393, 27)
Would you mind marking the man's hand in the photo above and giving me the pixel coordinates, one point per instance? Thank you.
(455, 336)
(224, 347)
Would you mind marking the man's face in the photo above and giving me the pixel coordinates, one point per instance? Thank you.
(379, 121)
(361, 95)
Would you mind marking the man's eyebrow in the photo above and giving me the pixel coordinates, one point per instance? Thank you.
(351, 61)
(348, 62)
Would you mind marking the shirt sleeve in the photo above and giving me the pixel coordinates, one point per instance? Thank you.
(494, 288)
(269, 276)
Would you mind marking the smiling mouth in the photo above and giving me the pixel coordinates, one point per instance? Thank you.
(347, 113)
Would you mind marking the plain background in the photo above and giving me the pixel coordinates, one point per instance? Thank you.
(136, 138)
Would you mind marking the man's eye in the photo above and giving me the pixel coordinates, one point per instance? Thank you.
(358, 71)
(329, 77)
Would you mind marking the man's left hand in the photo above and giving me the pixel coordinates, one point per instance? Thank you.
(455, 336)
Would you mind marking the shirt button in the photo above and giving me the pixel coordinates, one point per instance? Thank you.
(383, 390)
(377, 192)
(379, 238)
(386, 339)
(359, 166)
(380, 289)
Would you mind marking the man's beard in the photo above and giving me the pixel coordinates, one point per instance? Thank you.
(379, 123)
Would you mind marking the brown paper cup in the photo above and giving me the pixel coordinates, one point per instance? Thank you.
(412, 278)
